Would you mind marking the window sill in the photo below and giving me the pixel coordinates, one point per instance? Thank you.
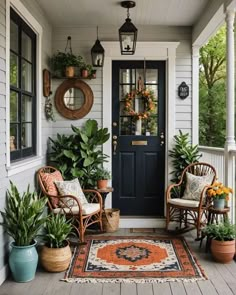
(26, 164)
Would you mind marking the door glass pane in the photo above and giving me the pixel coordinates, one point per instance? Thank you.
(26, 76)
(125, 76)
(14, 36)
(26, 47)
(13, 107)
(13, 69)
(14, 144)
(26, 112)
(26, 135)
(125, 89)
(151, 76)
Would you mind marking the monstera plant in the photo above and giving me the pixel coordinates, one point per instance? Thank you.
(80, 155)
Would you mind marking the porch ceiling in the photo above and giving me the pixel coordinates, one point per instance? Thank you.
(72, 13)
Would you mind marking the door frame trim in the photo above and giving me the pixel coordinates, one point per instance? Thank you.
(150, 51)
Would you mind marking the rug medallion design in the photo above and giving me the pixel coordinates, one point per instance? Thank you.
(133, 259)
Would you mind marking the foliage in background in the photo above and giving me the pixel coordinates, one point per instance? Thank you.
(102, 174)
(22, 218)
(80, 155)
(212, 91)
(182, 154)
(57, 230)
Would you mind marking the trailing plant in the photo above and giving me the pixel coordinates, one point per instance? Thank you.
(221, 232)
(57, 230)
(79, 155)
(182, 154)
(22, 218)
(102, 173)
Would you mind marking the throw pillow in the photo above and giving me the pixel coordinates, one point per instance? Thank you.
(71, 187)
(195, 184)
(48, 182)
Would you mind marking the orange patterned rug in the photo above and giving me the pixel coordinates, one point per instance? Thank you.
(133, 259)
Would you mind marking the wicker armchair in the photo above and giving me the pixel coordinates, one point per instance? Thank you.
(81, 215)
(188, 211)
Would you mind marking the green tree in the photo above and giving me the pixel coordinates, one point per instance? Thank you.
(212, 91)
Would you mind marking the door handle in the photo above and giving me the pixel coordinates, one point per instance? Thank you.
(114, 147)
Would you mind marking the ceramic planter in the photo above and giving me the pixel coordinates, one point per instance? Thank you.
(219, 204)
(223, 251)
(70, 72)
(23, 261)
(56, 259)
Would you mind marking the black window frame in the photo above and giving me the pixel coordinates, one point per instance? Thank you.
(23, 152)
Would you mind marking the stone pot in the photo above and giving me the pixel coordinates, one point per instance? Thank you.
(219, 204)
(56, 259)
(223, 251)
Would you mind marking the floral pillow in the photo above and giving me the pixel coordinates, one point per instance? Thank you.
(195, 185)
(48, 182)
(71, 187)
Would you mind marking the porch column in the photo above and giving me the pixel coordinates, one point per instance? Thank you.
(230, 94)
(230, 139)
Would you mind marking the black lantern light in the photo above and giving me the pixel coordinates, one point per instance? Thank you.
(128, 32)
(97, 53)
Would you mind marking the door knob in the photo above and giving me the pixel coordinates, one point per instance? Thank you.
(162, 142)
(114, 124)
(162, 135)
(114, 137)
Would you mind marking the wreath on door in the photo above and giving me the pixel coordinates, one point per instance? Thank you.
(148, 100)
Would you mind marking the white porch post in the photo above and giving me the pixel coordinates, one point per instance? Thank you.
(230, 138)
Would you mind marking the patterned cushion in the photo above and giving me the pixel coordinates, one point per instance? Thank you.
(195, 185)
(48, 182)
(71, 187)
(88, 208)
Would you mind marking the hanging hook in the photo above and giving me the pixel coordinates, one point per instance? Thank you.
(144, 71)
(68, 45)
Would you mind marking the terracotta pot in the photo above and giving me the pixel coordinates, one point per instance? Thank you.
(56, 259)
(70, 72)
(102, 183)
(84, 73)
(223, 251)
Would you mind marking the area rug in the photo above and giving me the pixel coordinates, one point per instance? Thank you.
(138, 259)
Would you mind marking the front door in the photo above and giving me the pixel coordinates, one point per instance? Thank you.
(138, 137)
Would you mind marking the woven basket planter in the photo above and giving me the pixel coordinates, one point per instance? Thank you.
(56, 259)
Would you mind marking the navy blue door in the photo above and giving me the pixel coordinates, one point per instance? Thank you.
(138, 137)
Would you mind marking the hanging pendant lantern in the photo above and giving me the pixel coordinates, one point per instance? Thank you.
(128, 32)
(97, 53)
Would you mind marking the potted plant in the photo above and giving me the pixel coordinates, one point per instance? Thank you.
(56, 253)
(22, 221)
(102, 175)
(65, 62)
(86, 70)
(220, 194)
(222, 237)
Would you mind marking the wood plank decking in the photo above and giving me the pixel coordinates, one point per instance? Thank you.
(221, 280)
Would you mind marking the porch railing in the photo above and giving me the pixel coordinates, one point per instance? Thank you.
(216, 157)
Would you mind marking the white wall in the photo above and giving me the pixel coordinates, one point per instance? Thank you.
(84, 38)
(21, 180)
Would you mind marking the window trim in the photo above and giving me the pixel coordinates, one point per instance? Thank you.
(23, 12)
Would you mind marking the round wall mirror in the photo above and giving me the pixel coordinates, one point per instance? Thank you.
(74, 99)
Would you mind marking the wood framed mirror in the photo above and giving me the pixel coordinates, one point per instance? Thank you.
(74, 99)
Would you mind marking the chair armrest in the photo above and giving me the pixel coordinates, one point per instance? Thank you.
(204, 197)
(94, 196)
(64, 199)
(170, 188)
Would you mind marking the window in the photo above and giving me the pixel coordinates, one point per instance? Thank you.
(22, 88)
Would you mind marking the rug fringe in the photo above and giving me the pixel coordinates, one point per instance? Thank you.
(132, 280)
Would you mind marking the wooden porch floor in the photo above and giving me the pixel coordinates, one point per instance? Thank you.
(221, 280)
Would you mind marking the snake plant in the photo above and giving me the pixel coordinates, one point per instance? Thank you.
(22, 218)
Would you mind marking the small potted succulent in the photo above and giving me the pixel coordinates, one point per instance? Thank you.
(222, 239)
(65, 63)
(56, 253)
(102, 176)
